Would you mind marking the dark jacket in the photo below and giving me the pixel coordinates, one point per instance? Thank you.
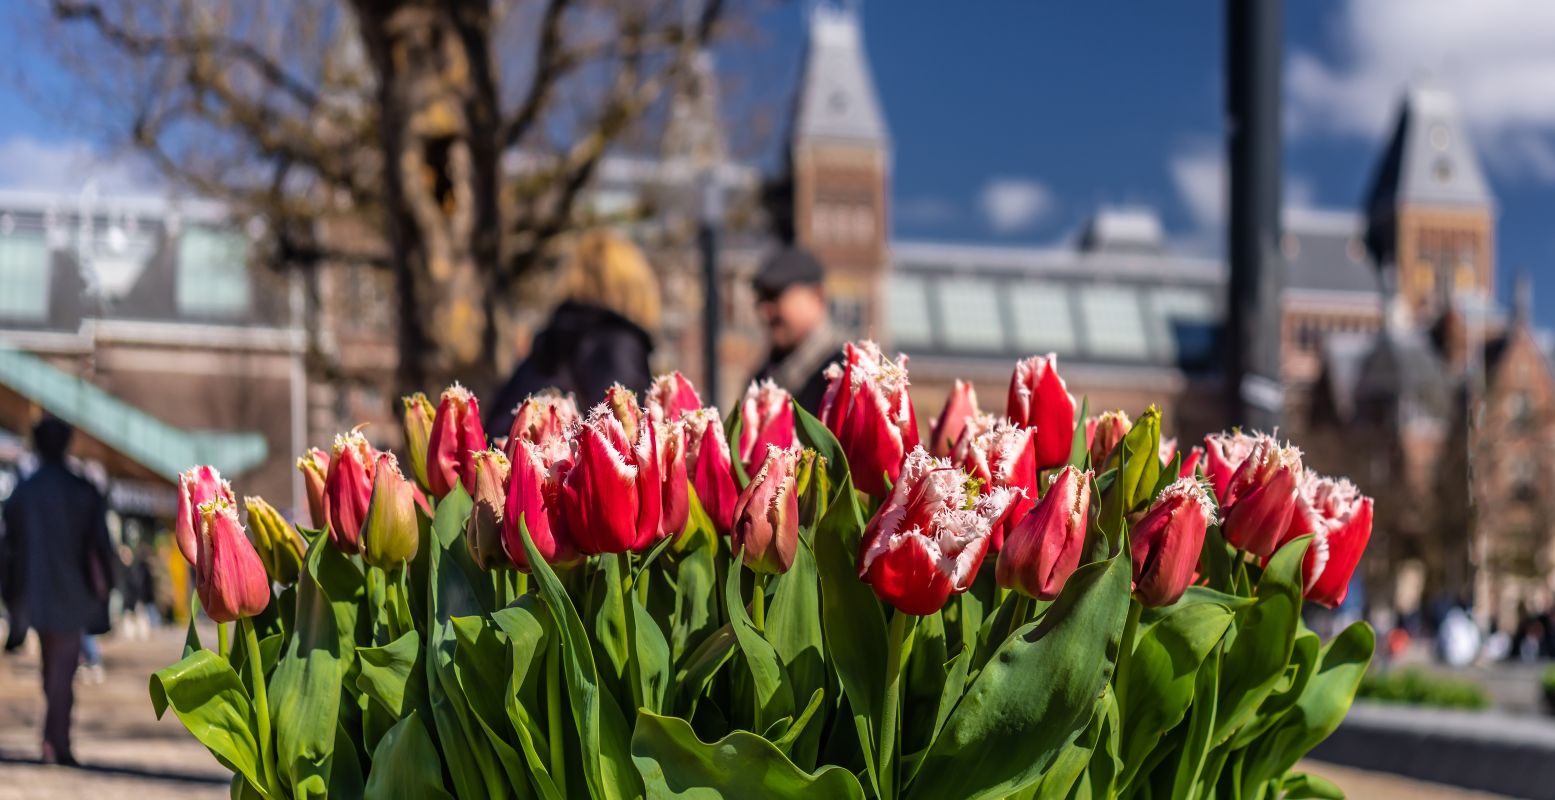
(802, 371)
(583, 349)
(56, 522)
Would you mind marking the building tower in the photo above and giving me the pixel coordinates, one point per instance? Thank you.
(841, 169)
(1430, 214)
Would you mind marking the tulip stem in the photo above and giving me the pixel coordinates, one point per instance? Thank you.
(221, 641)
(256, 668)
(759, 602)
(623, 563)
(899, 645)
(553, 716)
(1126, 648)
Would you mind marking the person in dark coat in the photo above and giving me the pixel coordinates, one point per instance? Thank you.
(600, 334)
(60, 521)
(791, 302)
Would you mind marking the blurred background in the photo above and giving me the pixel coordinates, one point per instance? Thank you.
(229, 230)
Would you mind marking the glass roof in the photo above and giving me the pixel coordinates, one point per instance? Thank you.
(24, 277)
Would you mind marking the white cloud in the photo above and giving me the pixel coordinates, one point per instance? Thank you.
(925, 210)
(1494, 56)
(66, 166)
(1011, 205)
(1198, 172)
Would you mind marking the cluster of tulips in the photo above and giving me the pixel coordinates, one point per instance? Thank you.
(434, 617)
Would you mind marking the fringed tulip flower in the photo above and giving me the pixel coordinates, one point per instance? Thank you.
(929, 538)
(1002, 455)
(542, 417)
(960, 407)
(457, 434)
(766, 516)
(196, 486)
(866, 406)
(1191, 462)
(1339, 518)
(711, 471)
(672, 468)
(281, 548)
(229, 575)
(1039, 399)
(483, 529)
(1165, 544)
(419, 416)
(348, 490)
(766, 417)
(1104, 433)
(533, 495)
(314, 467)
(391, 534)
(611, 497)
(643, 432)
(1223, 453)
(670, 396)
(1044, 547)
(1260, 497)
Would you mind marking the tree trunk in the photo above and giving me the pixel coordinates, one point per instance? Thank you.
(438, 99)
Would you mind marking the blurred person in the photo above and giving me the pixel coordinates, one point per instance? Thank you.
(600, 334)
(60, 521)
(791, 302)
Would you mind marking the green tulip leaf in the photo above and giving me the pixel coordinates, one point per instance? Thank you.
(696, 612)
(304, 692)
(209, 699)
(774, 692)
(389, 674)
(795, 634)
(406, 764)
(1265, 634)
(814, 434)
(674, 763)
(1304, 786)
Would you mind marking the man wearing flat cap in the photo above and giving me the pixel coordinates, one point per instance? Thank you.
(791, 302)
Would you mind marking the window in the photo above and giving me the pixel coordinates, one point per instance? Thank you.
(24, 277)
(1523, 479)
(1180, 316)
(1042, 318)
(907, 312)
(969, 314)
(847, 315)
(1519, 411)
(212, 273)
(1114, 323)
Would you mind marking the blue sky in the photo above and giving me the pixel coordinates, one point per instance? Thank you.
(1014, 120)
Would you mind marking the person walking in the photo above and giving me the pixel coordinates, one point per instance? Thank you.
(791, 302)
(59, 520)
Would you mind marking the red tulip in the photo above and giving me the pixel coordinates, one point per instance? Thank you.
(348, 490)
(670, 396)
(542, 416)
(672, 467)
(1039, 399)
(866, 406)
(457, 434)
(1043, 549)
(196, 487)
(712, 473)
(766, 517)
(929, 537)
(533, 495)
(1165, 544)
(1339, 518)
(1223, 453)
(1261, 497)
(960, 407)
(1104, 432)
(766, 417)
(314, 467)
(229, 575)
(1191, 462)
(1003, 456)
(483, 528)
(611, 497)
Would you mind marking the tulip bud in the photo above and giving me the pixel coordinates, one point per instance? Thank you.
(960, 406)
(1223, 453)
(314, 467)
(812, 484)
(1339, 518)
(1191, 463)
(483, 528)
(623, 404)
(1002, 455)
(533, 494)
(670, 396)
(1104, 433)
(766, 517)
(868, 409)
(1040, 399)
(456, 434)
(391, 533)
(229, 575)
(196, 486)
(348, 490)
(611, 498)
(707, 462)
(1260, 498)
(419, 416)
(766, 417)
(1166, 542)
(929, 537)
(280, 546)
(672, 466)
(1043, 549)
(542, 417)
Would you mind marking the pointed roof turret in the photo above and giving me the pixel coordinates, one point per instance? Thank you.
(837, 97)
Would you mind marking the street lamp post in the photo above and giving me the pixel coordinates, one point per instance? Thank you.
(707, 241)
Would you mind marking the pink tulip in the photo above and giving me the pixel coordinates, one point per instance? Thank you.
(960, 407)
(1044, 548)
(1166, 542)
(1040, 399)
(541, 417)
(1223, 453)
(1191, 462)
(229, 575)
(1104, 433)
(533, 495)
(457, 435)
(1339, 518)
(348, 489)
(314, 467)
(670, 396)
(766, 418)
(672, 467)
(196, 487)
(866, 406)
(711, 471)
(1002, 455)
(611, 498)
(1260, 497)
(766, 517)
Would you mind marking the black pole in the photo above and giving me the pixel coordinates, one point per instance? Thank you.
(1254, 44)
(707, 241)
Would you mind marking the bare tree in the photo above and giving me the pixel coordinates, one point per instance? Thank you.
(462, 130)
